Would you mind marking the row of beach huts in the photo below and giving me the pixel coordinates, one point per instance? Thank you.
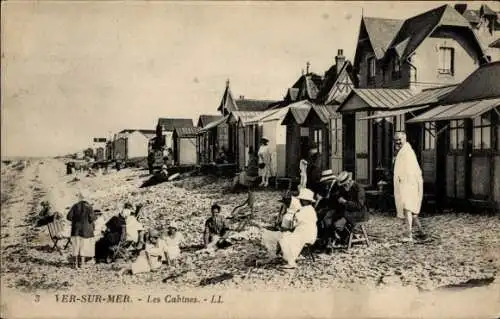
(435, 76)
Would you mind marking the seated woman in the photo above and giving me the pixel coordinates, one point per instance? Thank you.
(150, 258)
(215, 234)
(113, 233)
(304, 232)
(284, 223)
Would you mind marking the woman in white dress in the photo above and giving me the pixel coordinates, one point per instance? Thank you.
(264, 162)
(305, 230)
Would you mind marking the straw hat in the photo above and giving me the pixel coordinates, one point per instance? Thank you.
(344, 177)
(327, 175)
(264, 140)
(153, 233)
(306, 194)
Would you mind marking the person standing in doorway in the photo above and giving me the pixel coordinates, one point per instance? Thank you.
(264, 162)
(408, 185)
(314, 170)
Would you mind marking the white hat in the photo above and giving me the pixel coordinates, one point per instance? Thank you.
(344, 177)
(173, 225)
(306, 194)
(327, 175)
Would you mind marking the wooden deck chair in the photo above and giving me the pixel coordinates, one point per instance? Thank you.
(56, 232)
(357, 234)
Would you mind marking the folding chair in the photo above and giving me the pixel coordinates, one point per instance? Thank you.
(357, 234)
(56, 232)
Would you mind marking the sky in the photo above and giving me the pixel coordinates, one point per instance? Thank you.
(74, 71)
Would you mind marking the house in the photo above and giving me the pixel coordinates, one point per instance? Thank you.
(466, 127)
(306, 87)
(169, 124)
(269, 124)
(131, 144)
(486, 25)
(394, 60)
(184, 145)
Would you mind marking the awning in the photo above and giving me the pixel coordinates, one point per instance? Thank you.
(458, 111)
(214, 124)
(384, 114)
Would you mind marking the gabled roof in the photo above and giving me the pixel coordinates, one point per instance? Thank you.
(204, 119)
(186, 131)
(418, 28)
(331, 81)
(169, 124)
(481, 84)
(242, 104)
(381, 32)
(227, 101)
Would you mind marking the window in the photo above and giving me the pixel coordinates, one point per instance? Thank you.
(446, 60)
(396, 68)
(223, 137)
(481, 137)
(429, 136)
(337, 136)
(318, 139)
(371, 69)
(457, 135)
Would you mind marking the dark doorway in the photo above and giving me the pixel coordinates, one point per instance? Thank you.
(349, 150)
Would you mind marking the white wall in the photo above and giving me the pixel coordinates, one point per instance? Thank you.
(187, 150)
(276, 133)
(168, 140)
(137, 145)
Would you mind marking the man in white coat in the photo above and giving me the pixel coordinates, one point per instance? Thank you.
(408, 184)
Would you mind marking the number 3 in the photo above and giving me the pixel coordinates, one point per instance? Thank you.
(37, 298)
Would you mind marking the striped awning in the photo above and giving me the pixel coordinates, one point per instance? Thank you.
(458, 111)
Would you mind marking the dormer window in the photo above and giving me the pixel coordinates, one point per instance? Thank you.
(396, 68)
(446, 60)
(372, 69)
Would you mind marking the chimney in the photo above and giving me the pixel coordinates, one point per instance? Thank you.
(339, 60)
(227, 83)
(461, 7)
(242, 97)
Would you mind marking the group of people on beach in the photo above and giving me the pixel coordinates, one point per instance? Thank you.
(326, 204)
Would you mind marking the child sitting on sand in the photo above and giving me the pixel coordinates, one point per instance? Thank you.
(216, 230)
(149, 259)
(172, 239)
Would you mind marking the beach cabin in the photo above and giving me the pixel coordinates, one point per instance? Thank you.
(269, 125)
(204, 139)
(168, 125)
(184, 145)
